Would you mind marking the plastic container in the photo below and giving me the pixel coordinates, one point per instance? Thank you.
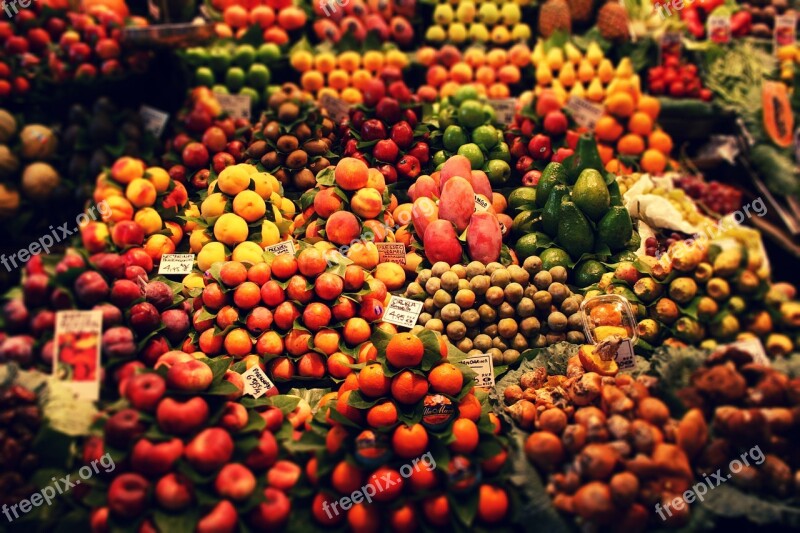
(606, 315)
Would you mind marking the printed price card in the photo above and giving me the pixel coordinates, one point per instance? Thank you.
(235, 105)
(402, 312)
(176, 264)
(504, 109)
(785, 33)
(625, 357)
(481, 204)
(584, 112)
(337, 108)
(77, 351)
(391, 252)
(719, 28)
(484, 369)
(256, 382)
(283, 247)
(154, 120)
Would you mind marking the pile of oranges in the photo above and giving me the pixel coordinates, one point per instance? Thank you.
(382, 425)
(490, 72)
(345, 75)
(276, 18)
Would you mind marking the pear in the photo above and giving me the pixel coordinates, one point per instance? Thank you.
(585, 71)
(567, 75)
(544, 76)
(594, 53)
(573, 53)
(595, 91)
(578, 91)
(555, 59)
(605, 71)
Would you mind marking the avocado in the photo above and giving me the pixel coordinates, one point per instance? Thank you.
(591, 195)
(615, 228)
(552, 174)
(551, 209)
(614, 192)
(575, 234)
(522, 223)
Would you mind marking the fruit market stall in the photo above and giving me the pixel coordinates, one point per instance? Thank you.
(291, 265)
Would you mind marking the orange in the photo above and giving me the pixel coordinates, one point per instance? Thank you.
(364, 518)
(338, 365)
(509, 74)
(373, 382)
(247, 295)
(620, 104)
(653, 161)
(492, 504)
(227, 316)
(349, 61)
(338, 79)
(238, 343)
(284, 266)
(404, 350)
(348, 411)
(383, 414)
(312, 80)
(373, 60)
(640, 123)
(425, 56)
(496, 421)
(410, 441)
(495, 462)
(349, 383)
(396, 58)
(321, 506)
(649, 105)
(422, 479)
(236, 17)
(461, 72)
(617, 167)
(485, 75)
(437, 510)
(466, 434)
(408, 387)
(210, 343)
(497, 57)
(661, 141)
(446, 379)
(356, 331)
(325, 62)
(359, 78)
(389, 480)
(326, 341)
(470, 407)
(302, 60)
(630, 144)
(346, 478)
(606, 153)
(608, 129)
(403, 519)
(367, 353)
(335, 438)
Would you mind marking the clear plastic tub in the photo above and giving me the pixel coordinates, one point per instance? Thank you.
(607, 315)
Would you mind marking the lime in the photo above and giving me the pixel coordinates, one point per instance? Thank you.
(554, 257)
(521, 196)
(625, 255)
(221, 89)
(445, 119)
(453, 138)
(234, 79)
(526, 246)
(253, 94)
(589, 272)
(470, 114)
(268, 53)
(489, 114)
(464, 93)
(204, 76)
(501, 152)
(485, 136)
(258, 76)
(439, 158)
(196, 56)
(219, 60)
(472, 152)
(244, 55)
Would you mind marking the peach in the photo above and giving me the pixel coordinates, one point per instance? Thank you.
(402, 214)
(391, 274)
(126, 169)
(118, 209)
(158, 177)
(342, 228)
(441, 243)
(423, 213)
(457, 203)
(351, 174)
(375, 230)
(484, 239)
(364, 254)
(367, 203)
(480, 183)
(376, 180)
(458, 165)
(311, 365)
(327, 202)
(176, 199)
(158, 245)
(425, 186)
(127, 233)
(95, 237)
(141, 193)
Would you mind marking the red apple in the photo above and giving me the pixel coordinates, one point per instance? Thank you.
(195, 155)
(181, 417)
(128, 495)
(373, 91)
(124, 427)
(386, 151)
(155, 459)
(402, 134)
(209, 450)
(283, 475)
(190, 376)
(409, 167)
(373, 130)
(555, 123)
(388, 109)
(235, 481)
(174, 492)
(144, 391)
(272, 514)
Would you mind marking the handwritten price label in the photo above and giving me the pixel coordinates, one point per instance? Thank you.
(235, 105)
(625, 358)
(785, 33)
(484, 369)
(153, 120)
(284, 247)
(391, 252)
(504, 109)
(584, 112)
(402, 312)
(176, 264)
(337, 108)
(256, 382)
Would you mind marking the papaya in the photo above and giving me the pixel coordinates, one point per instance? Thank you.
(778, 118)
(484, 239)
(457, 202)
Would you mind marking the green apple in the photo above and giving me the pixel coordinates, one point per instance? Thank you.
(258, 76)
(454, 137)
(470, 114)
(501, 152)
(204, 76)
(472, 152)
(268, 53)
(244, 55)
(485, 136)
(439, 158)
(498, 171)
(234, 79)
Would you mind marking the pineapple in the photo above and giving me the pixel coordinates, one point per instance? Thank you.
(612, 21)
(554, 16)
(581, 10)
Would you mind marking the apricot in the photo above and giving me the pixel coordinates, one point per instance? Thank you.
(351, 174)
(391, 274)
(364, 254)
(367, 203)
(126, 169)
(327, 202)
(342, 228)
(141, 193)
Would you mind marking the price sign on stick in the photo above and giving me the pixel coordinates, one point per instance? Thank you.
(484, 369)
(256, 382)
(402, 312)
(176, 264)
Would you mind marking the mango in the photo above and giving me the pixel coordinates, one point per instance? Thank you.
(480, 183)
(458, 165)
(423, 212)
(484, 239)
(441, 243)
(457, 202)
(424, 187)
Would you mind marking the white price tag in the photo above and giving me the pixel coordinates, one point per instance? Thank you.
(584, 112)
(78, 342)
(481, 204)
(785, 33)
(283, 247)
(391, 252)
(256, 382)
(504, 109)
(402, 312)
(337, 108)
(503, 228)
(176, 264)
(625, 357)
(719, 28)
(154, 120)
(753, 346)
(235, 105)
(484, 369)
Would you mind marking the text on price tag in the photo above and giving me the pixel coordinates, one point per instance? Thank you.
(337, 108)
(584, 112)
(176, 264)
(504, 109)
(283, 247)
(402, 312)
(153, 119)
(391, 252)
(484, 369)
(625, 358)
(256, 382)
(235, 105)
(481, 203)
